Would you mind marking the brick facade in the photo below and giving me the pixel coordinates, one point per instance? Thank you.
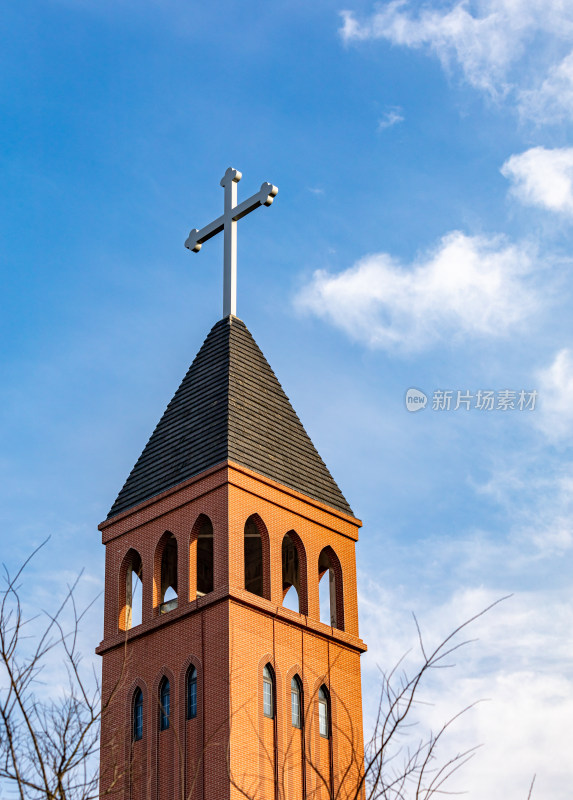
(230, 748)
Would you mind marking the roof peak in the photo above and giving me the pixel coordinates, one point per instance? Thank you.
(229, 406)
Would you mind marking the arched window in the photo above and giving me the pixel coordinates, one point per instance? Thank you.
(330, 589)
(324, 712)
(291, 575)
(253, 559)
(205, 558)
(168, 599)
(137, 715)
(164, 704)
(191, 693)
(131, 601)
(296, 702)
(268, 692)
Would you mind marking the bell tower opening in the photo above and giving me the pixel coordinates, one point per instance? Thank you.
(291, 575)
(330, 589)
(205, 570)
(167, 551)
(131, 601)
(256, 555)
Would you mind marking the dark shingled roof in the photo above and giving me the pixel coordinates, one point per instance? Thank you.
(230, 405)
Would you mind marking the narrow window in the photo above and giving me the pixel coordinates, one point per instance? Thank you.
(164, 705)
(295, 702)
(205, 559)
(268, 693)
(192, 693)
(323, 715)
(138, 715)
(169, 575)
(253, 559)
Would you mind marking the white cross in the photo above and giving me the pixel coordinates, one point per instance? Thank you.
(228, 224)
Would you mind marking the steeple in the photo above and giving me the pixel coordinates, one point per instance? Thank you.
(231, 650)
(229, 406)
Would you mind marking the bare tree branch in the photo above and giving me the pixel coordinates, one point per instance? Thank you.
(49, 746)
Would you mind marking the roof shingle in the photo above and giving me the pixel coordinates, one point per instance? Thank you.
(229, 405)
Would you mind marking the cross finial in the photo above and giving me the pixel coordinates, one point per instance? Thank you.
(228, 224)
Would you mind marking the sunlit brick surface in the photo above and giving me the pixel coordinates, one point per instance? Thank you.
(229, 635)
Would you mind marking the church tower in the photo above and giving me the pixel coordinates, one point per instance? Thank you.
(212, 688)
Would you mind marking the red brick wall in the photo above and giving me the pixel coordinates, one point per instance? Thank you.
(229, 635)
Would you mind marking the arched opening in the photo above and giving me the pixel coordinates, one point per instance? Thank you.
(325, 737)
(296, 702)
(291, 574)
(137, 761)
(164, 704)
(268, 692)
(137, 712)
(268, 740)
(131, 600)
(330, 589)
(295, 756)
(254, 549)
(168, 599)
(324, 712)
(205, 571)
(193, 741)
(191, 692)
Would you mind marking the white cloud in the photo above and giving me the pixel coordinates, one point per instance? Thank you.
(391, 117)
(517, 665)
(556, 398)
(542, 178)
(552, 100)
(500, 46)
(521, 728)
(467, 286)
(537, 495)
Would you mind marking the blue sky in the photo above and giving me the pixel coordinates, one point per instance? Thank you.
(421, 238)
